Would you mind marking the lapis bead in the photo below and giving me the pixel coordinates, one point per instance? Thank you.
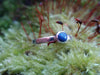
(62, 37)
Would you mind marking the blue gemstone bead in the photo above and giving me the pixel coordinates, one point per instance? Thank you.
(62, 37)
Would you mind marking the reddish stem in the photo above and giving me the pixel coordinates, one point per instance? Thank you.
(52, 42)
(91, 37)
(98, 17)
(52, 5)
(97, 30)
(32, 31)
(48, 21)
(38, 11)
(79, 22)
(90, 24)
(86, 4)
(98, 44)
(91, 13)
(61, 23)
(79, 2)
(41, 19)
(85, 28)
(40, 22)
(25, 31)
(41, 5)
(84, 7)
(46, 29)
(40, 28)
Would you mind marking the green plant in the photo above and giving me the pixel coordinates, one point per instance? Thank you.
(78, 56)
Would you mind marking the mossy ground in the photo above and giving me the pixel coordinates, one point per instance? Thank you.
(76, 57)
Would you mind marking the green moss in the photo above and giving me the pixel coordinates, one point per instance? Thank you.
(75, 57)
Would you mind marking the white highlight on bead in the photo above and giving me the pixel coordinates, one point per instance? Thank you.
(68, 37)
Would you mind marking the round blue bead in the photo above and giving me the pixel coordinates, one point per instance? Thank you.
(62, 37)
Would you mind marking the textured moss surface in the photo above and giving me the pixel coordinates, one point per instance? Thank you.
(18, 56)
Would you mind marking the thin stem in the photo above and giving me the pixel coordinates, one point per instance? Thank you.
(25, 32)
(32, 31)
(91, 37)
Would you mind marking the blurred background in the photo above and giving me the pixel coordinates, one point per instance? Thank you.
(13, 10)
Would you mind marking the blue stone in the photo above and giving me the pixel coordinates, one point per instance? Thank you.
(62, 37)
